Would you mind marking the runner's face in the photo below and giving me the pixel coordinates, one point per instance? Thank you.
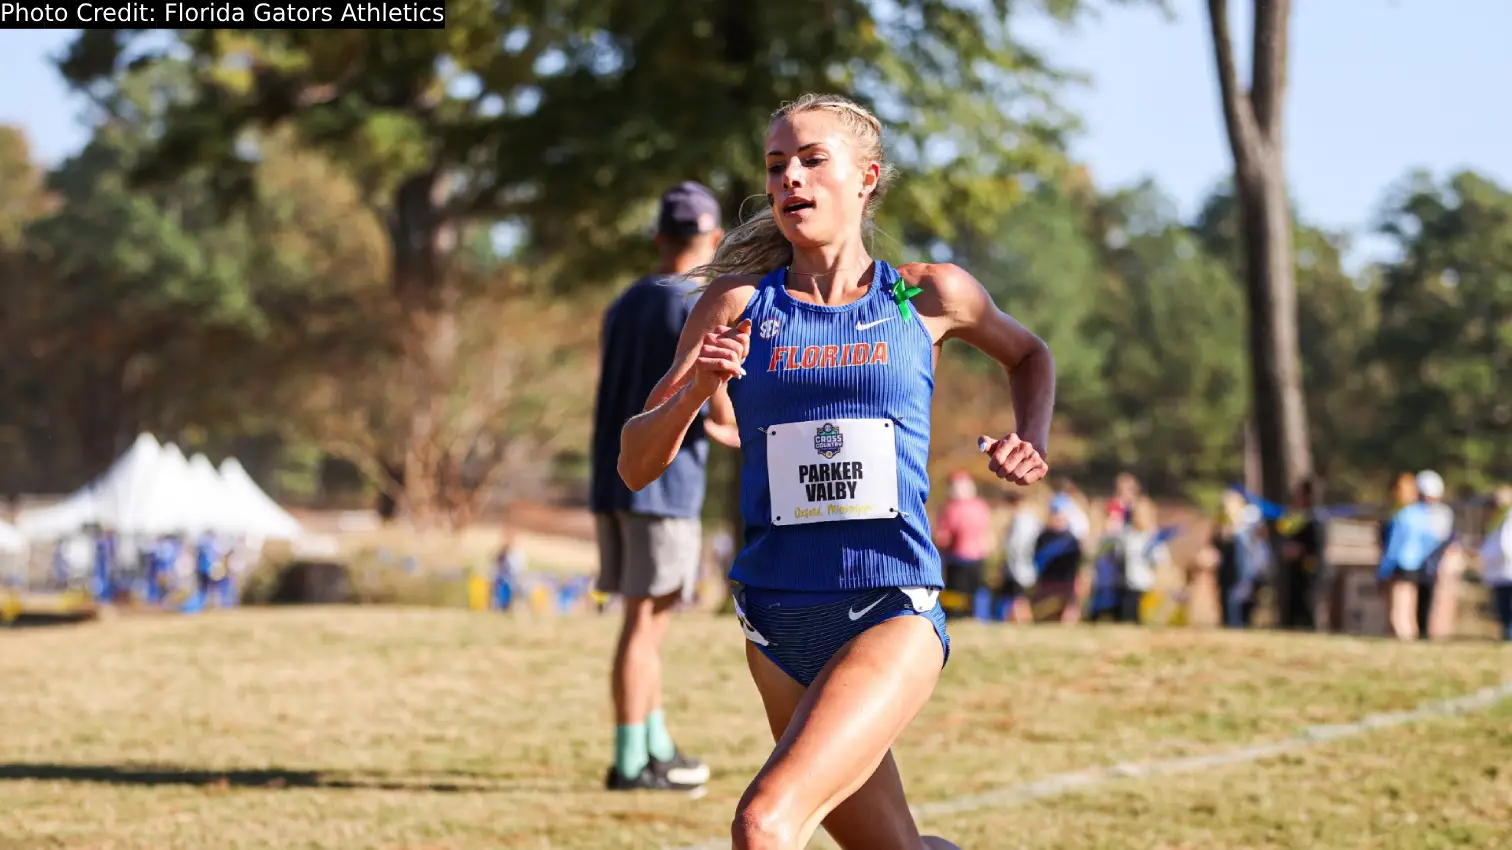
(818, 188)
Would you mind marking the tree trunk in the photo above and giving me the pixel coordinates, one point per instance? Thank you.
(1255, 130)
(423, 237)
(1252, 481)
(1275, 360)
(98, 421)
(1254, 123)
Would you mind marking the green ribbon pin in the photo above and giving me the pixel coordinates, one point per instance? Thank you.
(901, 293)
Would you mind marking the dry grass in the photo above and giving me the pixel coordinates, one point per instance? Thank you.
(473, 547)
(415, 728)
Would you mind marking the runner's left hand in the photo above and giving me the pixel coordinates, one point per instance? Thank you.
(1014, 460)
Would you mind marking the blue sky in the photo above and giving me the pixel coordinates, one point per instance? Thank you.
(1378, 87)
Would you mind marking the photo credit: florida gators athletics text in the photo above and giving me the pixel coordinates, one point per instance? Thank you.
(223, 14)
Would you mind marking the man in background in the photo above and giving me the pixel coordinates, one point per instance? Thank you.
(650, 542)
(1301, 563)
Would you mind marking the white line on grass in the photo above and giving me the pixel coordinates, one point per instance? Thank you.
(1312, 736)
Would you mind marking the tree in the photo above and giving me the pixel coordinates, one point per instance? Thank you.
(567, 119)
(1173, 378)
(1038, 264)
(150, 308)
(23, 196)
(1253, 120)
(1336, 325)
(1446, 330)
(23, 199)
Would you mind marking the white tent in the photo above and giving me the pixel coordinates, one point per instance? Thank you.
(165, 503)
(11, 541)
(152, 489)
(100, 501)
(256, 510)
(120, 498)
(216, 506)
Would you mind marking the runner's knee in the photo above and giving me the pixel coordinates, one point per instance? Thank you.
(760, 824)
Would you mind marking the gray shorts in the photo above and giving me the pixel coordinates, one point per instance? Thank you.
(641, 555)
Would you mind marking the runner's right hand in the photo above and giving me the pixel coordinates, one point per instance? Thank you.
(720, 356)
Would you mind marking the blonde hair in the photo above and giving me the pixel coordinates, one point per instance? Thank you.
(756, 245)
(1405, 490)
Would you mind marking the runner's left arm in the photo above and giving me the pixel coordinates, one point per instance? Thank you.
(957, 306)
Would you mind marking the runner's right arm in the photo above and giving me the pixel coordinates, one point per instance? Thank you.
(709, 354)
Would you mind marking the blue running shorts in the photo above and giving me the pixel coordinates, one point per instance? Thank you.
(802, 631)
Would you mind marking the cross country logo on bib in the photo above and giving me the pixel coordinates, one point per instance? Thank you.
(855, 475)
(828, 441)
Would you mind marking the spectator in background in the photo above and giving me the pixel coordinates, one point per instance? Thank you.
(1416, 539)
(961, 532)
(1404, 492)
(162, 562)
(209, 567)
(1126, 491)
(1108, 568)
(1144, 555)
(1019, 574)
(1301, 562)
(1438, 607)
(1496, 560)
(1057, 562)
(509, 565)
(1243, 556)
(651, 540)
(105, 568)
(1075, 514)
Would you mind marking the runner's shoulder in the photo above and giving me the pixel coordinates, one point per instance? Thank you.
(938, 280)
(947, 290)
(726, 297)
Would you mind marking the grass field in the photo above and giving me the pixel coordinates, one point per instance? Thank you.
(410, 728)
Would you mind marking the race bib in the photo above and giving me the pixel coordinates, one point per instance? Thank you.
(830, 470)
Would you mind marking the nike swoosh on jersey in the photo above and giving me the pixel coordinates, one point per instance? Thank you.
(856, 615)
(861, 326)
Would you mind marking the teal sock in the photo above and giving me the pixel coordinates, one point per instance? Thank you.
(658, 739)
(630, 756)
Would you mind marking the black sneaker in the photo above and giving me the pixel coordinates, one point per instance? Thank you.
(650, 779)
(682, 769)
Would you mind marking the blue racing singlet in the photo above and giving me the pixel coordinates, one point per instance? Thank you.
(834, 414)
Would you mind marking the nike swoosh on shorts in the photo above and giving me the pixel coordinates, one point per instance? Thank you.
(856, 615)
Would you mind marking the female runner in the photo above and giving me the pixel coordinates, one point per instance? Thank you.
(829, 359)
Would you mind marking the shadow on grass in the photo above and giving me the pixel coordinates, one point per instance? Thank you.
(269, 778)
(34, 619)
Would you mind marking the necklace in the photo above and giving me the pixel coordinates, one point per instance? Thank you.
(822, 274)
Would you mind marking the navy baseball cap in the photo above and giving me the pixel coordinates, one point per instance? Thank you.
(688, 209)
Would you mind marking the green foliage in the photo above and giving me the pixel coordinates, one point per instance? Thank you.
(1444, 339)
(1174, 381)
(151, 308)
(233, 259)
(569, 118)
(1336, 322)
(1040, 267)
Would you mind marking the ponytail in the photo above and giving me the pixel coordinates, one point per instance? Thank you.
(755, 246)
